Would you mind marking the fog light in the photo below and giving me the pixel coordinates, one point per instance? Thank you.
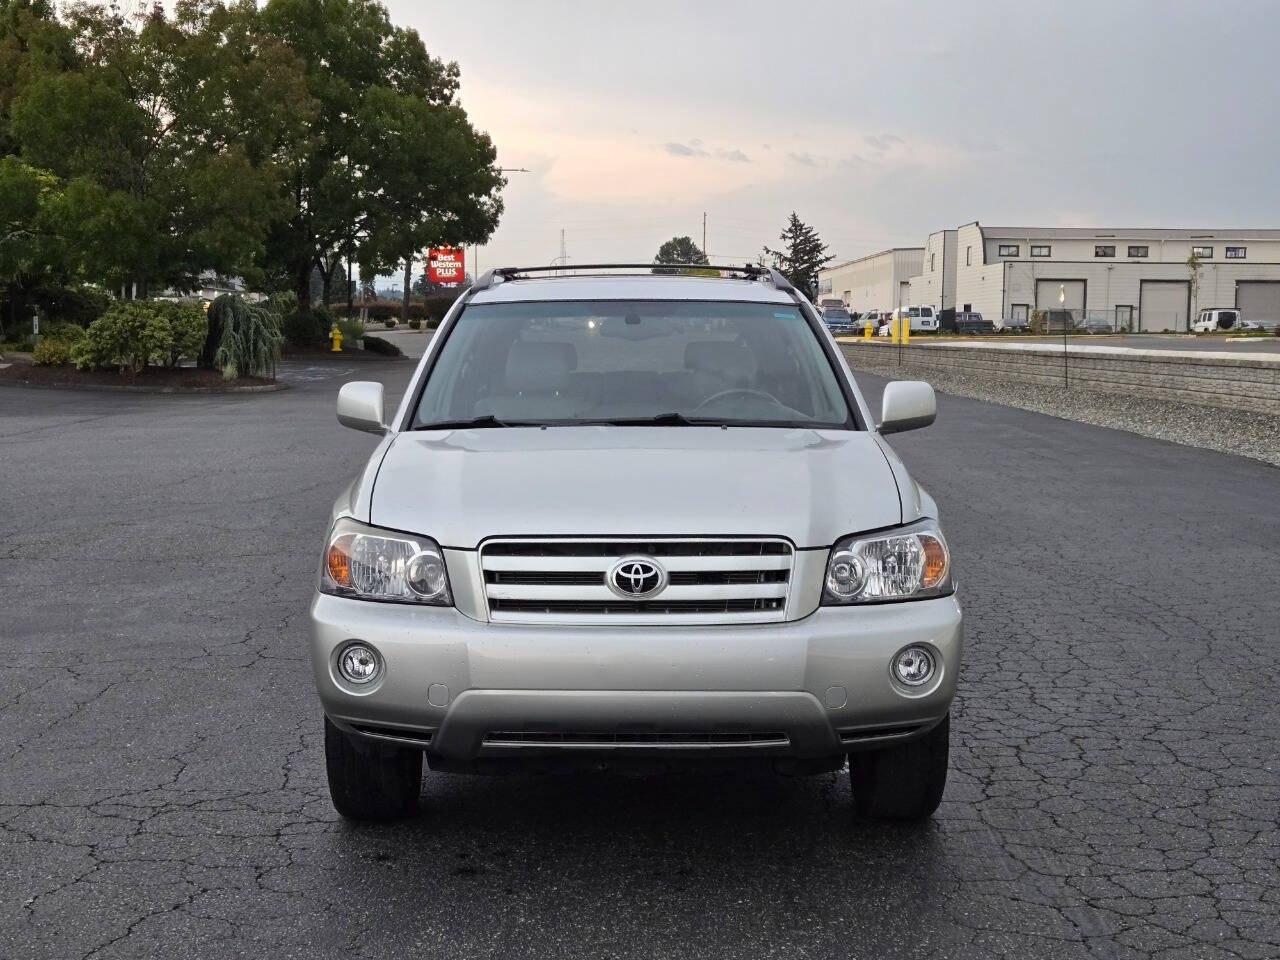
(914, 666)
(359, 663)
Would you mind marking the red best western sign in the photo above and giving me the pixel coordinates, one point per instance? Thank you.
(445, 265)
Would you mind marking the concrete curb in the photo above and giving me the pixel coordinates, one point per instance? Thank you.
(141, 388)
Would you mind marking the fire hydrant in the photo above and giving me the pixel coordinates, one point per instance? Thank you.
(336, 335)
(866, 330)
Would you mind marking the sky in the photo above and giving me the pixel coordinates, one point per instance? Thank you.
(876, 122)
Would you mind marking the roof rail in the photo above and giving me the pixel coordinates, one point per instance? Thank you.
(750, 270)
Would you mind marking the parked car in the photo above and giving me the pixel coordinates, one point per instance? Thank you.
(838, 320)
(1217, 318)
(601, 568)
(825, 302)
(1093, 325)
(966, 321)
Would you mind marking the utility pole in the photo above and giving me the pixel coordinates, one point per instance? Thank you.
(704, 234)
(475, 250)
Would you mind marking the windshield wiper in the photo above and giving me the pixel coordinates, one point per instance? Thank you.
(486, 421)
(672, 419)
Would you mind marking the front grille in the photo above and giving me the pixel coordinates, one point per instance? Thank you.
(638, 738)
(708, 580)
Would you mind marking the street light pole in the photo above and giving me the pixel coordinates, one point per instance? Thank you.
(499, 170)
(1062, 301)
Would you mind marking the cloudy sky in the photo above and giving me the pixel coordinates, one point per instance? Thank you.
(876, 122)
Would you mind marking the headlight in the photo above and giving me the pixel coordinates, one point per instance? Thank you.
(910, 563)
(371, 564)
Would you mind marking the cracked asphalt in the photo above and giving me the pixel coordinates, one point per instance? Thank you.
(1115, 784)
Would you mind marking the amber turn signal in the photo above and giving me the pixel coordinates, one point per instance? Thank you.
(935, 561)
(338, 563)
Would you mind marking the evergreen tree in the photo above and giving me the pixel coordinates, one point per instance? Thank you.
(803, 254)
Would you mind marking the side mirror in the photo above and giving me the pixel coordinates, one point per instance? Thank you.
(360, 406)
(907, 405)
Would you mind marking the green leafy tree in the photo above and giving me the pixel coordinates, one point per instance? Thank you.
(390, 163)
(802, 255)
(679, 250)
(32, 40)
(155, 131)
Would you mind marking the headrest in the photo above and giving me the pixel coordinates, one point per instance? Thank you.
(540, 366)
(724, 358)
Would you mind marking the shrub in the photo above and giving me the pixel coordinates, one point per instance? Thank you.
(384, 347)
(126, 336)
(415, 324)
(79, 306)
(244, 338)
(68, 333)
(188, 328)
(303, 328)
(389, 322)
(351, 332)
(51, 353)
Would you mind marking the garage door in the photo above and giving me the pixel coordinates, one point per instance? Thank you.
(1047, 295)
(1164, 305)
(1259, 300)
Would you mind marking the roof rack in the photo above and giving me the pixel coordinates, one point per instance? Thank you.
(752, 271)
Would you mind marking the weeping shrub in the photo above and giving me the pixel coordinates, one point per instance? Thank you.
(243, 339)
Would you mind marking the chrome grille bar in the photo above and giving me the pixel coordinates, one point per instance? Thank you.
(708, 580)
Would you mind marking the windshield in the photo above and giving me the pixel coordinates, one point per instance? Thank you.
(609, 361)
(836, 313)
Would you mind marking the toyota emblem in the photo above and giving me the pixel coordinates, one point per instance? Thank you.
(637, 578)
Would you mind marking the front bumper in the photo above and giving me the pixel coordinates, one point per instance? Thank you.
(464, 690)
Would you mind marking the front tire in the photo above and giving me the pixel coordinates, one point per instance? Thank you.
(370, 780)
(902, 782)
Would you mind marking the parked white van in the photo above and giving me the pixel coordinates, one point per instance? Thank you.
(922, 320)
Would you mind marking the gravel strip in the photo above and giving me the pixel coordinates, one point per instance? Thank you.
(1239, 432)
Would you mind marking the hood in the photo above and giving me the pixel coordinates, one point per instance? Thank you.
(463, 486)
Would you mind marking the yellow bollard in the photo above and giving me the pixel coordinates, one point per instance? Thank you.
(906, 329)
(336, 335)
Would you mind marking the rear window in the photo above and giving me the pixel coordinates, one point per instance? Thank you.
(614, 361)
(836, 313)
(926, 311)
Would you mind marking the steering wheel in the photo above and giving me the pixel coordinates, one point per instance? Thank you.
(736, 390)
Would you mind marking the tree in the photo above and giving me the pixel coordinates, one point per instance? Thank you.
(679, 250)
(802, 256)
(155, 130)
(1193, 281)
(391, 162)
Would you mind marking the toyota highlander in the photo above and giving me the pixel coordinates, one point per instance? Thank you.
(627, 516)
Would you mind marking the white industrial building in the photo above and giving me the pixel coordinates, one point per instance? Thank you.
(1131, 279)
(876, 282)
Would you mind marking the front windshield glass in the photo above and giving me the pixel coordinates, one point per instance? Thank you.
(614, 361)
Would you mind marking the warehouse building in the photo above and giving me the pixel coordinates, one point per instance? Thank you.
(1136, 280)
(1130, 279)
(878, 282)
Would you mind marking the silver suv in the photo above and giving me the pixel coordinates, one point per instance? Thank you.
(623, 517)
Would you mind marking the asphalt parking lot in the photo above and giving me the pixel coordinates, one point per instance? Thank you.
(1115, 787)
